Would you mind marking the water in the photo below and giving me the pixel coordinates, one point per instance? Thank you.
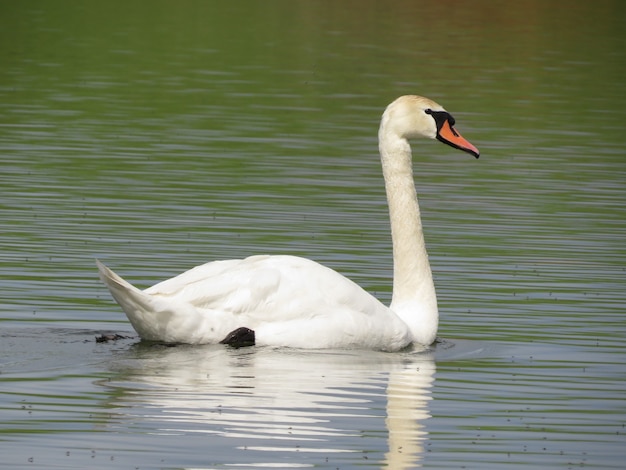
(159, 137)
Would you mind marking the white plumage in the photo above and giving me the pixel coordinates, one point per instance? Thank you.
(296, 302)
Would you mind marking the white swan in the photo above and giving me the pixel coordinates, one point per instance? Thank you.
(296, 302)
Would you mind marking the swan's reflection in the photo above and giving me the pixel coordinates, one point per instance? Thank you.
(275, 401)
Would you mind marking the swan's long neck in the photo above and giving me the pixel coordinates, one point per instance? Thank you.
(414, 298)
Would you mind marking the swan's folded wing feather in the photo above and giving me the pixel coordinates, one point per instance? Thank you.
(235, 286)
(197, 277)
(278, 287)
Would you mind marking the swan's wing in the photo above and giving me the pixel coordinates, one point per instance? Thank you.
(275, 288)
(210, 285)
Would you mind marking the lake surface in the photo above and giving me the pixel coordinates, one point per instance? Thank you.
(157, 136)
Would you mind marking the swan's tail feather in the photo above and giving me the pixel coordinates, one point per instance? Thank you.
(114, 282)
(156, 318)
(135, 303)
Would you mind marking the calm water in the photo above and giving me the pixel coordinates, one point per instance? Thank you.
(158, 136)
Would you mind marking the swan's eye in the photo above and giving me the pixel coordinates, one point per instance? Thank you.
(428, 111)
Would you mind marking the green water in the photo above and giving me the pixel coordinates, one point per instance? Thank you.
(158, 135)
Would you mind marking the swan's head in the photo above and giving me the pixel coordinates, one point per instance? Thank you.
(413, 116)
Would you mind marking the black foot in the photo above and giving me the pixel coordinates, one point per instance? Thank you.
(240, 338)
(111, 337)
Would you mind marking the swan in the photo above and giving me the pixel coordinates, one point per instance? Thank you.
(283, 300)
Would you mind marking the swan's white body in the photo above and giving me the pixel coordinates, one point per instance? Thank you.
(296, 302)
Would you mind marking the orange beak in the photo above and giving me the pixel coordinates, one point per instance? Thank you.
(448, 135)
